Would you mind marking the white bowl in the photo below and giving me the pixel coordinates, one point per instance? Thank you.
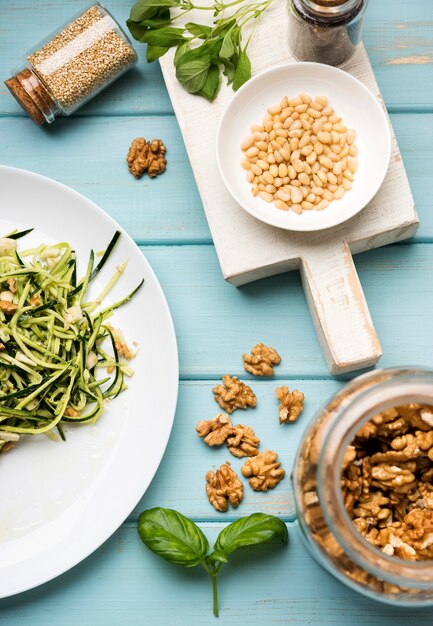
(350, 99)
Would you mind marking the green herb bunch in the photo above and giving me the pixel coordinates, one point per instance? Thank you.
(202, 52)
(178, 540)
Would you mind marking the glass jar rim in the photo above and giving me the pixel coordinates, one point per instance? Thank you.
(418, 386)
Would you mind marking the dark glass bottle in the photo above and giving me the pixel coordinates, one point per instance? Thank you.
(325, 31)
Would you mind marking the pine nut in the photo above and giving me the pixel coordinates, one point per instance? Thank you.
(318, 191)
(246, 164)
(323, 204)
(285, 153)
(295, 101)
(326, 162)
(262, 145)
(347, 184)
(328, 195)
(322, 176)
(307, 205)
(284, 195)
(252, 152)
(339, 193)
(353, 150)
(281, 205)
(351, 135)
(327, 127)
(255, 189)
(353, 165)
(250, 176)
(282, 170)
(270, 189)
(294, 143)
(256, 127)
(291, 171)
(331, 178)
(311, 197)
(324, 137)
(348, 174)
(305, 97)
(338, 168)
(296, 195)
(298, 165)
(323, 100)
(247, 143)
(278, 182)
(304, 178)
(256, 169)
(270, 159)
(332, 188)
(311, 158)
(296, 208)
(267, 176)
(334, 119)
(266, 196)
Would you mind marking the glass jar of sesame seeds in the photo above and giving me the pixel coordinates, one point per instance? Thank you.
(74, 64)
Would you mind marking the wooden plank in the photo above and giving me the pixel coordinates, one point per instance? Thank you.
(181, 475)
(398, 37)
(216, 322)
(125, 583)
(167, 209)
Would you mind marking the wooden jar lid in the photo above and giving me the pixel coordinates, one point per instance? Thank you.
(31, 95)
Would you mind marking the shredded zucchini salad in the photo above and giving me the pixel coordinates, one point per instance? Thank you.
(60, 359)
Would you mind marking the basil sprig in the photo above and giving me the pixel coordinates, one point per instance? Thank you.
(202, 52)
(178, 540)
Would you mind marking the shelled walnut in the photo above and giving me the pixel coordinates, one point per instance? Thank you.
(215, 431)
(242, 441)
(7, 307)
(262, 360)
(234, 394)
(386, 481)
(263, 470)
(291, 404)
(224, 487)
(146, 156)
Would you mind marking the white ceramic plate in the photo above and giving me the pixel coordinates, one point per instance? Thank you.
(60, 501)
(351, 100)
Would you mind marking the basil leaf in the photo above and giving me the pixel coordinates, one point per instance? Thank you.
(212, 84)
(230, 69)
(243, 71)
(144, 9)
(136, 30)
(180, 51)
(248, 531)
(172, 536)
(154, 52)
(192, 68)
(163, 37)
(199, 30)
(230, 44)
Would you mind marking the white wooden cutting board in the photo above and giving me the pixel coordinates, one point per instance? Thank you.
(249, 249)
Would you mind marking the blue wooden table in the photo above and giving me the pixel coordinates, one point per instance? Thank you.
(122, 583)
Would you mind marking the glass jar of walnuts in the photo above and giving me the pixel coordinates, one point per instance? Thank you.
(363, 484)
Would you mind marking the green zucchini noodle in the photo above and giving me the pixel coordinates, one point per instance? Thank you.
(54, 342)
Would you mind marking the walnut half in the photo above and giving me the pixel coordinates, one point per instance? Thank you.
(243, 441)
(146, 156)
(291, 404)
(224, 486)
(264, 471)
(234, 394)
(262, 360)
(216, 430)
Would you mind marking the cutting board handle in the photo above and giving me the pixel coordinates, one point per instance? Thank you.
(339, 309)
